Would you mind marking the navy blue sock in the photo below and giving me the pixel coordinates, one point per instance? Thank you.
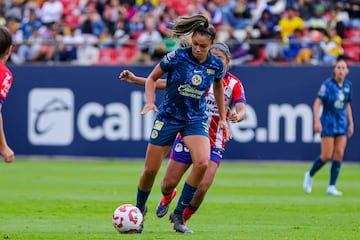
(187, 195)
(334, 172)
(141, 199)
(192, 208)
(318, 163)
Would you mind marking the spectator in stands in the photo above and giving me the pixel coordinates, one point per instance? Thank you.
(266, 24)
(14, 11)
(306, 9)
(274, 48)
(28, 49)
(214, 13)
(51, 11)
(294, 45)
(122, 32)
(27, 27)
(289, 22)
(111, 15)
(353, 9)
(331, 46)
(68, 47)
(148, 42)
(335, 21)
(310, 51)
(318, 21)
(91, 25)
(239, 16)
(145, 7)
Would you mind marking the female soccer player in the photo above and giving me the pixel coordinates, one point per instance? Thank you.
(191, 71)
(180, 159)
(5, 84)
(335, 125)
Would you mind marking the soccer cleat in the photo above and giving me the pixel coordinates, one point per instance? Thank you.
(331, 190)
(140, 230)
(164, 204)
(308, 180)
(178, 223)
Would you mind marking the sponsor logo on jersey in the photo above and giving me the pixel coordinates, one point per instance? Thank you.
(51, 116)
(210, 71)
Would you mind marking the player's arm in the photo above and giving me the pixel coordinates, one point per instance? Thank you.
(316, 112)
(239, 114)
(150, 86)
(350, 119)
(130, 77)
(5, 150)
(220, 102)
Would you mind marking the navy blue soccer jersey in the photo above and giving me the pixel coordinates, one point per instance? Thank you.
(187, 84)
(334, 117)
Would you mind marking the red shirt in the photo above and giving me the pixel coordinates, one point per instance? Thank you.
(6, 80)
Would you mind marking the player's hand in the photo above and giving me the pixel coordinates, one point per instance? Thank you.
(8, 154)
(148, 107)
(127, 76)
(224, 126)
(317, 127)
(234, 117)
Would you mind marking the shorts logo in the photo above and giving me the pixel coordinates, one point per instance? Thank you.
(51, 116)
(178, 147)
(158, 125)
(154, 134)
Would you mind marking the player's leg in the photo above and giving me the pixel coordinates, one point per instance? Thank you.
(179, 162)
(327, 149)
(339, 148)
(153, 159)
(215, 159)
(201, 191)
(199, 147)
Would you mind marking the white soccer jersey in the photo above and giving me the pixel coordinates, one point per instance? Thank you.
(234, 93)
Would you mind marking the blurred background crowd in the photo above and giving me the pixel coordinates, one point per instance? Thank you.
(139, 31)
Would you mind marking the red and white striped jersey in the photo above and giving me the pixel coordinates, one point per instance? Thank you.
(234, 93)
(5, 81)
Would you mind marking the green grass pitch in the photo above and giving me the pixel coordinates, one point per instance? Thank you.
(75, 199)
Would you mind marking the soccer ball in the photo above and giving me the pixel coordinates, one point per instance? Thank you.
(127, 219)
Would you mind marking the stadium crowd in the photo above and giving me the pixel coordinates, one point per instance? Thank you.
(139, 32)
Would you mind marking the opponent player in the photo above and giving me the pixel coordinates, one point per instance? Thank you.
(191, 71)
(5, 85)
(180, 159)
(335, 125)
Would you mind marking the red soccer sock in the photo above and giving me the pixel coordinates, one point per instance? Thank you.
(188, 213)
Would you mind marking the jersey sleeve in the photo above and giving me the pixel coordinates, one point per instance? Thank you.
(238, 93)
(219, 74)
(5, 81)
(322, 93)
(169, 60)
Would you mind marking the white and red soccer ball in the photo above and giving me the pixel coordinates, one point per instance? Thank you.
(127, 219)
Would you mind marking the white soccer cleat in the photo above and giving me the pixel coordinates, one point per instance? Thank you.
(308, 180)
(331, 190)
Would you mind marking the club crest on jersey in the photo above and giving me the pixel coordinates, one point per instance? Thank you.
(196, 80)
(341, 96)
(154, 134)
